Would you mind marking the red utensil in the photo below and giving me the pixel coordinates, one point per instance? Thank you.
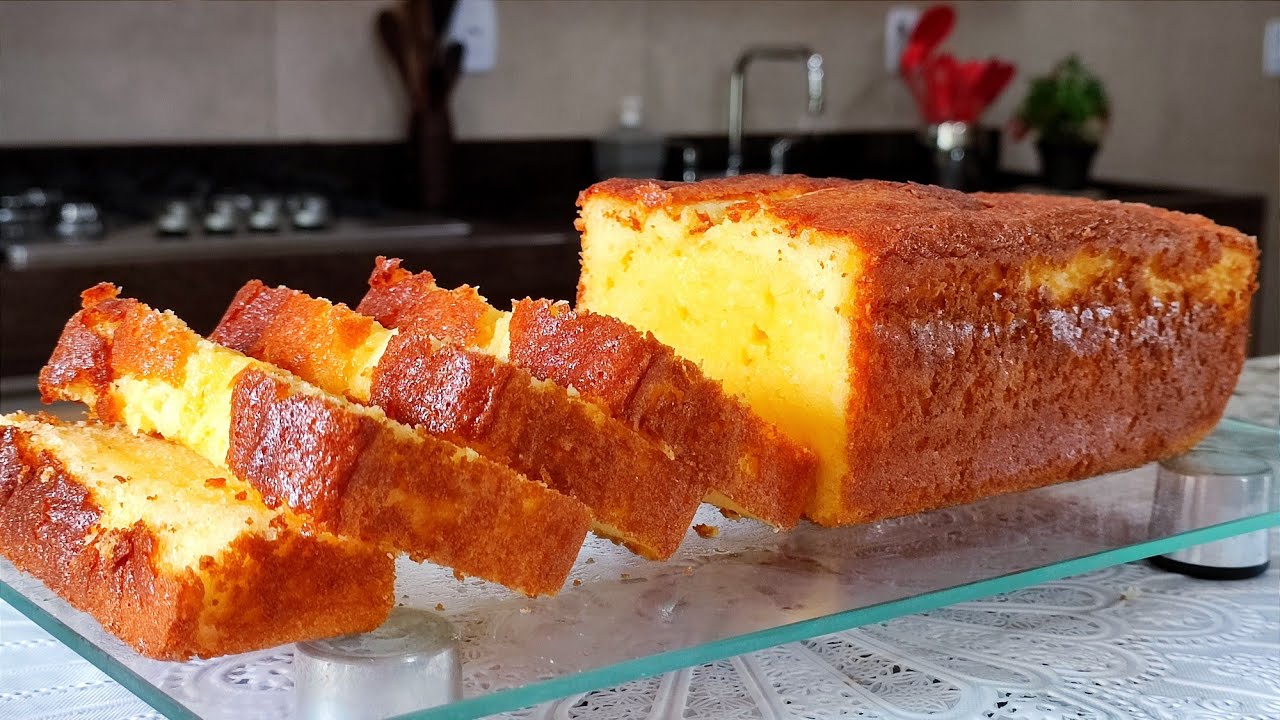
(934, 26)
(967, 108)
(943, 79)
(994, 79)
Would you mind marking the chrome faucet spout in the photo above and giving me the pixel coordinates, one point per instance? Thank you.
(737, 90)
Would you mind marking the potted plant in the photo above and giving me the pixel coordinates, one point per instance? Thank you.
(1068, 111)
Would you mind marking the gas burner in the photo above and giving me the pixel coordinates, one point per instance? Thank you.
(310, 211)
(175, 218)
(24, 215)
(78, 222)
(39, 215)
(266, 214)
(234, 213)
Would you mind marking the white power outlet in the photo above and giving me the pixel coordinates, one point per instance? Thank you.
(1271, 48)
(475, 25)
(898, 25)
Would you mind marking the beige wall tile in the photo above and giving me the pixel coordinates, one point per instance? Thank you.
(97, 72)
(1191, 106)
(563, 66)
(333, 80)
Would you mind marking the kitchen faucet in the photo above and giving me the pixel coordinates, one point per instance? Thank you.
(737, 91)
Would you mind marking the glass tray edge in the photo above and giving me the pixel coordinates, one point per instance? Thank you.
(608, 676)
(99, 658)
(1249, 424)
(611, 675)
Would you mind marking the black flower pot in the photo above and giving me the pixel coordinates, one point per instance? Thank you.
(1065, 164)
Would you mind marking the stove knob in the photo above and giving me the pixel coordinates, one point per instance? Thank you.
(223, 216)
(265, 217)
(175, 218)
(78, 221)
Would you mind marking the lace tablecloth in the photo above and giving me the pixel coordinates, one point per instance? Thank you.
(1125, 642)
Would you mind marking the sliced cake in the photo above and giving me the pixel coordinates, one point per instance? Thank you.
(932, 347)
(753, 469)
(170, 552)
(347, 467)
(638, 495)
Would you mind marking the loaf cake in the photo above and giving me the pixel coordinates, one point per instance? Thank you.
(752, 468)
(346, 467)
(932, 347)
(172, 553)
(638, 495)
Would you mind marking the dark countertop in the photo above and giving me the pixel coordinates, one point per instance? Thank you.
(140, 244)
(504, 259)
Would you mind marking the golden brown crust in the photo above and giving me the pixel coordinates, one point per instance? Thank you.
(970, 379)
(247, 327)
(646, 498)
(355, 475)
(642, 496)
(645, 384)
(478, 517)
(671, 194)
(990, 397)
(47, 515)
(447, 390)
(396, 297)
(332, 588)
(555, 343)
(246, 318)
(906, 221)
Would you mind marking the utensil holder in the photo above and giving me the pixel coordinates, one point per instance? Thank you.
(955, 157)
(409, 663)
(1207, 487)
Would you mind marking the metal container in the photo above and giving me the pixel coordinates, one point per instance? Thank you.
(954, 154)
(408, 664)
(78, 221)
(1208, 487)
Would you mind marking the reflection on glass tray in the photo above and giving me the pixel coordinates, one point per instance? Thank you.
(746, 589)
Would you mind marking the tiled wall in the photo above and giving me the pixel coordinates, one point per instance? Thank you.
(95, 72)
(127, 71)
(1191, 104)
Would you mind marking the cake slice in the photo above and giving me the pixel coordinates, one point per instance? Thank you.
(638, 495)
(348, 468)
(171, 553)
(753, 469)
(932, 347)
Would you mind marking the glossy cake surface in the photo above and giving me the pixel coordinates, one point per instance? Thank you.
(932, 347)
(637, 493)
(170, 552)
(345, 466)
(753, 470)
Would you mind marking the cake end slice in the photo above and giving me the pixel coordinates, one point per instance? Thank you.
(170, 552)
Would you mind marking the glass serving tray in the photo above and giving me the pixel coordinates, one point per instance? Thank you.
(747, 589)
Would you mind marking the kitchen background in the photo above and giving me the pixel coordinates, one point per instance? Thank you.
(1191, 105)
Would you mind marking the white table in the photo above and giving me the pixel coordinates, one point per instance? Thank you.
(1125, 642)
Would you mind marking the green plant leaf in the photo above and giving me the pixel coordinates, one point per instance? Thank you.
(1067, 105)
